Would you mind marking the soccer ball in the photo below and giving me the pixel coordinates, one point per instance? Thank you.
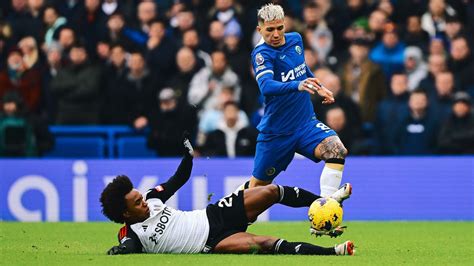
(325, 214)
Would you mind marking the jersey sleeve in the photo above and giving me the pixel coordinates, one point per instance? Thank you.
(262, 63)
(165, 190)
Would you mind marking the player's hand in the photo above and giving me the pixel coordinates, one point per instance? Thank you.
(333, 233)
(309, 85)
(115, 250)
(187, 144)
(328, 96)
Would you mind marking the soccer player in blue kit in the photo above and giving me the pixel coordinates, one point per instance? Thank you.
(289, 124)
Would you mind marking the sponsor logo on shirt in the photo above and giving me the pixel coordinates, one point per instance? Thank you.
(294, 73)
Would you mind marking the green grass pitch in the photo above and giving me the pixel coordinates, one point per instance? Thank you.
(377, 243)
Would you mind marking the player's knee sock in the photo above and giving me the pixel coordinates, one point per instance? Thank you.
(282, 246)
(296, 197)
(331, 176)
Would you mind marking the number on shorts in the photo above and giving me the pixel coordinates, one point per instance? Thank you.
(225, 202)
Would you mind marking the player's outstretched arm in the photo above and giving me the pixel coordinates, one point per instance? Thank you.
(180, 177)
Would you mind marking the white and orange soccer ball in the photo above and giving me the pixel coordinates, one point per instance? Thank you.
(325, 214)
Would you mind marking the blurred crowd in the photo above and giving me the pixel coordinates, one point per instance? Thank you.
(402, 71)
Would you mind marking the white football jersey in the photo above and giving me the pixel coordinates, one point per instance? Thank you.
(172, 231)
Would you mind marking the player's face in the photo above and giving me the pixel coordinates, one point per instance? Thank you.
(273, 32)
(137, 208)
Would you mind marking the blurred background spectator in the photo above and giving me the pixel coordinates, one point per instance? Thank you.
(76, 89)
(456, 136)
(168, 122)
(372, 54)
(363, 80)
(21, 134)
(232, 137)
(417, 132)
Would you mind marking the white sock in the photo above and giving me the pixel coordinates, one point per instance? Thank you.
(330, 181)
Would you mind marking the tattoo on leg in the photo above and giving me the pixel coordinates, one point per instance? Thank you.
(332, 147)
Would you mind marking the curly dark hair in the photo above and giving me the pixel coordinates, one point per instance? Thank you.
(113, 198)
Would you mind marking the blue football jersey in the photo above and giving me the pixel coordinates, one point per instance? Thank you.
(278, 71)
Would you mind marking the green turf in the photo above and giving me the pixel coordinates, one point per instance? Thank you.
(378, 243)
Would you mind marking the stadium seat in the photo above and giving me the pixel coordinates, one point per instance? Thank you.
(78, 147)
(133, 147)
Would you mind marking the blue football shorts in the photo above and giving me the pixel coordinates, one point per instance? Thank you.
(275, 152)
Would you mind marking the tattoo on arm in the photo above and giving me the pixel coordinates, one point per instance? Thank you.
(332, 147)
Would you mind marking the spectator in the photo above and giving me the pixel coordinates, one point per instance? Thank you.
(22, 21)
(207, 84)
(437, 46)
(462, 63)
(216, 35)
(32, 57)
(113, 76)
(454, 28)
(363, 80)
(54, 22)
(191, 40)
(67, 38)
(377, 22)
(161, 50)
(117, 32)
(185, 20)
(77, 89)
(350, 108)
(335, 118)
(187, 68)
(456, 136)
(415, 35)
(54, 64)
(389, 52)
(26, 82)
(416, 134)
(434, 20)
(232, 138)
(90, 25)
(436, 65)
(441, 98)
(210, 118)
(140, 88)
(21, 135)
(389, 113)
(69, 9)
(168, 123)
(238, 58)
(227, 12)
(146, 13)
(311, 59)
(317, 33)
(415, 67)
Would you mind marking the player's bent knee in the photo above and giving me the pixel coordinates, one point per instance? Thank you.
(264, 243)
(269, 192)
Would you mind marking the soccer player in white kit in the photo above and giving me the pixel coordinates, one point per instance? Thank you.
(153, 227)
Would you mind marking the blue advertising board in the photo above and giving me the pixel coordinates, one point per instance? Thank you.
(388, 188)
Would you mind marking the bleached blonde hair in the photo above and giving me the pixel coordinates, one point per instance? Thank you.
(270, 12)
